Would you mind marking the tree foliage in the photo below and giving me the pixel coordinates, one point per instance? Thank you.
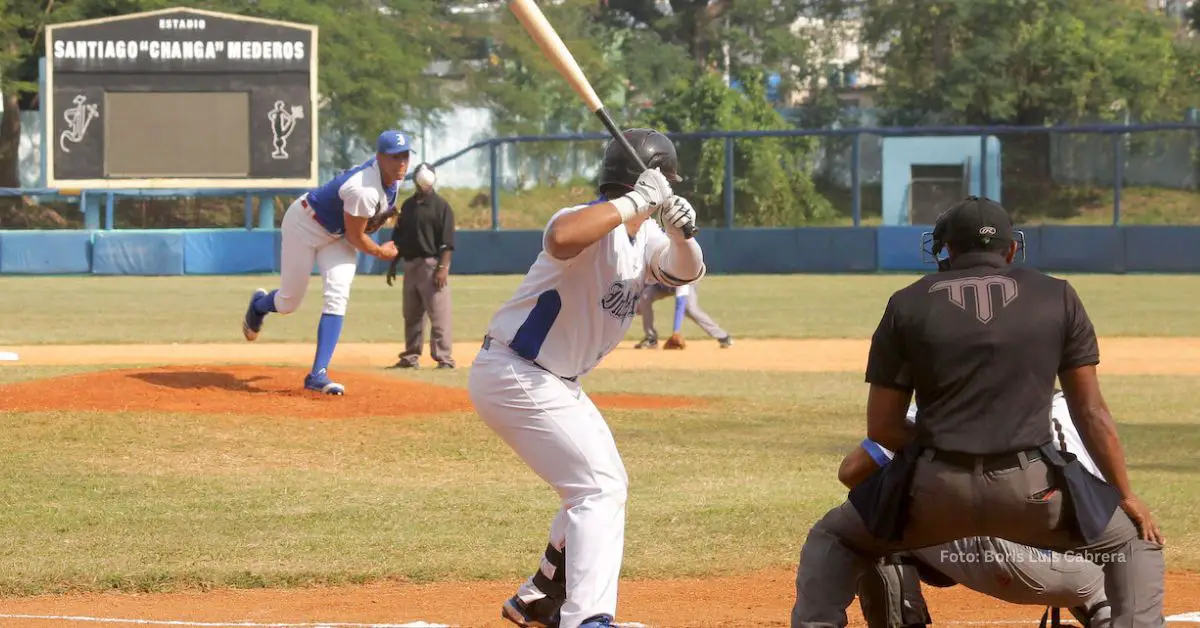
(1035, 62)
(772, 181)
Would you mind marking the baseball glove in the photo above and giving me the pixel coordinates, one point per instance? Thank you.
(374, 223)
(676, 341)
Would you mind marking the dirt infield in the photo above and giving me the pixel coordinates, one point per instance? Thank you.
(1119, 356)
(258, 391)
(194, 378)
(757, 600)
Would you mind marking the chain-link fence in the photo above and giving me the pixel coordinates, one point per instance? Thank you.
(1137, 174)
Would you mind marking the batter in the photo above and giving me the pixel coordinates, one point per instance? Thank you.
(573, 308)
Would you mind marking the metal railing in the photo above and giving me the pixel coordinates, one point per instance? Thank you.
(1119, 136)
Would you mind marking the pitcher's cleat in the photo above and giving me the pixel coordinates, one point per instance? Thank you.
(321, 383)
(252, 322)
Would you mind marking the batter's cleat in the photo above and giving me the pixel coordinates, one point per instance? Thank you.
(253, 321)
(726, 342)
(543, 613)
(599, 621)
(649, 342)
(321, 383)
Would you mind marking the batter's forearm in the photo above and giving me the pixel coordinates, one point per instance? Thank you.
(571, 233)
(682, 261)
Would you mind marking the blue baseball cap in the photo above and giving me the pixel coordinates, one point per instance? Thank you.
(392, 142)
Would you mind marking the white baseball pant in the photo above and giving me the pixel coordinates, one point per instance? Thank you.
(305, 241)
(557, 430)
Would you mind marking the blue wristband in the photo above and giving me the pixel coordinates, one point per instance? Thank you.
(877, 452)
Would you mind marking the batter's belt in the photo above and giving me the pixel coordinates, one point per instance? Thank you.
(490, 343)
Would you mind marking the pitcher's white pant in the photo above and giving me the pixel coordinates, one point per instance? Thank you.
(557, 430)
(305, 241)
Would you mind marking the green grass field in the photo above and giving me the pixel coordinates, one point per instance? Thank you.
(209, 309)
(157, 501)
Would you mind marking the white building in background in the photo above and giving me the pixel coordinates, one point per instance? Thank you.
(852, 72)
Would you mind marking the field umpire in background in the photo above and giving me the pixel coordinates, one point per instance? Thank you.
(980, 343)
(424, 235)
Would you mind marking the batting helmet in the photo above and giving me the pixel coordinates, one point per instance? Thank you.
(655, 149)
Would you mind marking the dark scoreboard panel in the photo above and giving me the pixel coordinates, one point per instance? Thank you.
(181, 98)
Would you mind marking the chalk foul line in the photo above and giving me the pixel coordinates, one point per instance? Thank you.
(1192, 617)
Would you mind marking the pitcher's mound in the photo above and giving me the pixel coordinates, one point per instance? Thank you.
(257, 391)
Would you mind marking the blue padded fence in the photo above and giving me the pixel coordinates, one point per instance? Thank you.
(1055, 248)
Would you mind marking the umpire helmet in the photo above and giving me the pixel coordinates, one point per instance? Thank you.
(655, 149)
(974, 224)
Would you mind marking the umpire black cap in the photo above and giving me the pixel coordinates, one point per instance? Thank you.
(974, 224)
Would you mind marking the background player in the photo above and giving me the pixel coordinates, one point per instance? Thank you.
(1008, 571)
(329, 225)
(575, 306)
(686, 302)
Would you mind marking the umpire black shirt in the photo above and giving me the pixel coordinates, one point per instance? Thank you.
(980, 345)
(425, 226)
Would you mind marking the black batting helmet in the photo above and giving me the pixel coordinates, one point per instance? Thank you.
(655, 149)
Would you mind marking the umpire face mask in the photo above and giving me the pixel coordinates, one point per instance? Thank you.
(976, 226)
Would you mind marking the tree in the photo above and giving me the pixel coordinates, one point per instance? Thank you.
(373, 56)
(772, 181)
(747, 38)
(525, 93)
(1036, 62)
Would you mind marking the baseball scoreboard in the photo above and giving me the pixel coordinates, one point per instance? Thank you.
(181, 98)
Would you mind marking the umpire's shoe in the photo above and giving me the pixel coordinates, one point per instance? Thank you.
(543, 613)
(253, 321)
(321, 383)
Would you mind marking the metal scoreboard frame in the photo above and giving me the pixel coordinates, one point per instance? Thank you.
(181, 98)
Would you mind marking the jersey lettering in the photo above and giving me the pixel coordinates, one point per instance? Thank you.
(621, 300)
(985, 308)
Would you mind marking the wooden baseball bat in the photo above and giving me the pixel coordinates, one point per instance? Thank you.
(539, 28)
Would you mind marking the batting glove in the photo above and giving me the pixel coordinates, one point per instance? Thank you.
(650, 192)
(676, 214)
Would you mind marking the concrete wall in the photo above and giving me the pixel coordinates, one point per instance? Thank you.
(1100, 249)
(900, 154)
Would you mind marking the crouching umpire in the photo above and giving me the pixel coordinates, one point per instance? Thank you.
(890, 594)
(981, 343)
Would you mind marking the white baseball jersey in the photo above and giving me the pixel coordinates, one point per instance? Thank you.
(568, 314)
(358, 191)
(1061, 425)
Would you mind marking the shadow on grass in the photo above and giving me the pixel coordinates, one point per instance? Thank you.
(193, 380)
(1169, 447)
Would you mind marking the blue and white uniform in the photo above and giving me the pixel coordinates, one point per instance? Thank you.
(313, 232)
(565, 317)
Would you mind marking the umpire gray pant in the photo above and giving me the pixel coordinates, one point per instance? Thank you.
(949, 503)
(1020, 574)
(422, 296)
(655, 291)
